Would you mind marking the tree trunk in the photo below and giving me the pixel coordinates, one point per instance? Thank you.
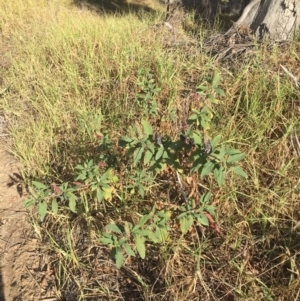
(276, 19)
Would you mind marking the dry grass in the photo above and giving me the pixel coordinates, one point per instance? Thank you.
(71, 71)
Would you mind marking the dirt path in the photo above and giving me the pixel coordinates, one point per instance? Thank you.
(24, 273)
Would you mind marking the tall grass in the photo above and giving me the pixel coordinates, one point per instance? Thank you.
(71, 72)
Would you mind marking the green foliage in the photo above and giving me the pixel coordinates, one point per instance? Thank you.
(148, 92)
(132, 238)
(191, 155)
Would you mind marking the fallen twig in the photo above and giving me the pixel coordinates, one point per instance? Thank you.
(294, 78)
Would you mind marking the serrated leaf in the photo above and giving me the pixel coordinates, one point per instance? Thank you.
(159, 153)
(235, 158)
(138, 155)
(148, 156)
(128, 250)
(203, 220)
(220, 175)
(114, 228)
(147, 127)
(42, 208)
(140, 246)
(207, 169)
(54, 206)
(119, 257)
(239, 171)
(39, 185)
(186, 223)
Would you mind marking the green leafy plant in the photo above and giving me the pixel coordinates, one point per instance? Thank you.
(43, 196)
(192, 155)
(148, 91)
(132, 238)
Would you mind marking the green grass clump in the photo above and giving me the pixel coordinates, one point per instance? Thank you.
(126, 132)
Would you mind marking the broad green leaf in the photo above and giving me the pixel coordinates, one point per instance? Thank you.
(215, 141)
(82, 176)
(140, 246)
(144, 219)
(203, 220)
(147, 127)
(220, 175)
(159, 153)
(207, 169)
(193, 117)
(151, 148)
(148, 156)
(213, 99)
(138, 155)
(153, 238)
(162, 234)
(216, 80)
(42, 208)
(99, 194)
(107, 193)
(39, 185)
(232, 151)
(106, 241)
(206, 198)
(119, 257)
(54, 206)
(210, 209)
(202, 88)
(197, 139)
(114, 228)
(72, 201)
(79, 167)
(220, 92)
(28, 202)
(182, 215)
(186, 223)
(126, 139)
(196, 167)
(141, 191)
(128, 250)
(239, 171)
(235, 158)
(165, 155)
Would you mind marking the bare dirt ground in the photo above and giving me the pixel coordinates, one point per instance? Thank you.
(24, 271)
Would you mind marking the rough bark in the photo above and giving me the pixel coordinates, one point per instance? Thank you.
(276, 19)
